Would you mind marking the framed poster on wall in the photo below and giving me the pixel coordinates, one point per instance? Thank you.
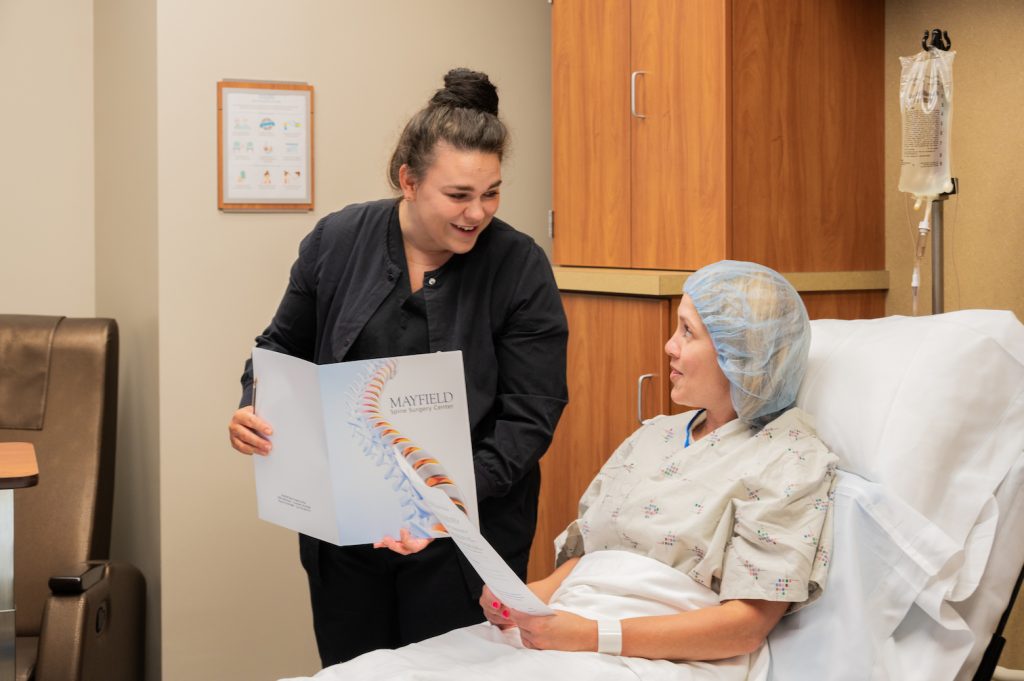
(264, 146)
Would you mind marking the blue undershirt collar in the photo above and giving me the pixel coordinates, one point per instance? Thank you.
(689, 426)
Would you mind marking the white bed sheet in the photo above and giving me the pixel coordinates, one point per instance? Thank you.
(885, 556)
(603, 584)
(882, 616)
(985, 606)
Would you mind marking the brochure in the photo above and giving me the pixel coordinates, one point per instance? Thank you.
(332, 474)
(503, 582)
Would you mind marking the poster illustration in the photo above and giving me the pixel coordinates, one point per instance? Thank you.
(265, 146)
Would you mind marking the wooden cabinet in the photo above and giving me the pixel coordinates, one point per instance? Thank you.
(613, 345)
(687, 131)
(679, 184)
(590, 132)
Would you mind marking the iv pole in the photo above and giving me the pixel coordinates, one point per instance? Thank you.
(937, 256)
(939, 40)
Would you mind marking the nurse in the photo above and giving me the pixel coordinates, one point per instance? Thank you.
(430, 270)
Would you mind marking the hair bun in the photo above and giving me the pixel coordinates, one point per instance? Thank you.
(467, 89)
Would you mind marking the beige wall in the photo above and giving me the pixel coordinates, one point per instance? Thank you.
(46, 180)
(985, 223)
(234, 597)
(110, 209)
(126, 276)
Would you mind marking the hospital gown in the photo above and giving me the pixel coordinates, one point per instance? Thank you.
(741, 511)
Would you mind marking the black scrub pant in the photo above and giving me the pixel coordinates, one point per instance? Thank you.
(365, 598)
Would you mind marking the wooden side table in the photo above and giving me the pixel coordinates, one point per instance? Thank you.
(18, 468)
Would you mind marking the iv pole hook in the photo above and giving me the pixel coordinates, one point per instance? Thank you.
(939, 40)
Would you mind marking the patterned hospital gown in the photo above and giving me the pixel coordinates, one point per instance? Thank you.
(744, 512)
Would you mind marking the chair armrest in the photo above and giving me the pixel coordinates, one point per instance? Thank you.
(93, 626)
(77, 578)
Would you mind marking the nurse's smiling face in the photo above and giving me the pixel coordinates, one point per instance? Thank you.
(445, 211)
(697, 379)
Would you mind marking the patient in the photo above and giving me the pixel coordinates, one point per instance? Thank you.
(699, 532)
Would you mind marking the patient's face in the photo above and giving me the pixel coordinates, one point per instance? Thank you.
(697, 380)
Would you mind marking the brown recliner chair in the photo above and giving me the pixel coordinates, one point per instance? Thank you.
(80, 617)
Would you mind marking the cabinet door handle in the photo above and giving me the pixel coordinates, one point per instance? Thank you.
(640, 396)
(632, 94)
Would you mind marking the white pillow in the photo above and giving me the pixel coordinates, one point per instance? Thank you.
(930, 407)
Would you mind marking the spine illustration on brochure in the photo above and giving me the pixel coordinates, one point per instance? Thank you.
(380, 436)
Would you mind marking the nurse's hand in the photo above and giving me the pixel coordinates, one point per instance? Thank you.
(248, 433)
(405, 545)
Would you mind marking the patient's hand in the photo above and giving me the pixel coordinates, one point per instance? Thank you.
(561, 631)
(405, 545)
(496, 612)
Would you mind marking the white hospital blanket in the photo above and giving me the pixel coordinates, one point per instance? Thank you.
(604, 583)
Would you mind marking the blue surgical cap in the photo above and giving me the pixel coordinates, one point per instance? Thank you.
(761, 334)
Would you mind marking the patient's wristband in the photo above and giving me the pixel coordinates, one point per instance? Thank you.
(609, 637)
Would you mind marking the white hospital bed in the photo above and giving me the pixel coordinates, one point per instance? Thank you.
(931, 410)
(927, 417)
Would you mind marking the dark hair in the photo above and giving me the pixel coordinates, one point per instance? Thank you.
(464, 113)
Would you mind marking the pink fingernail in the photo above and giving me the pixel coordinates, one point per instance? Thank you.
(505, 614)
(495, 605)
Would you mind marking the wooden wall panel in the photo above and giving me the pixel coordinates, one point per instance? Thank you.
(590, 132)
(808, 144)
(844, 304)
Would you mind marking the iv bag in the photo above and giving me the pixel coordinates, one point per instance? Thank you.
(926, 107)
